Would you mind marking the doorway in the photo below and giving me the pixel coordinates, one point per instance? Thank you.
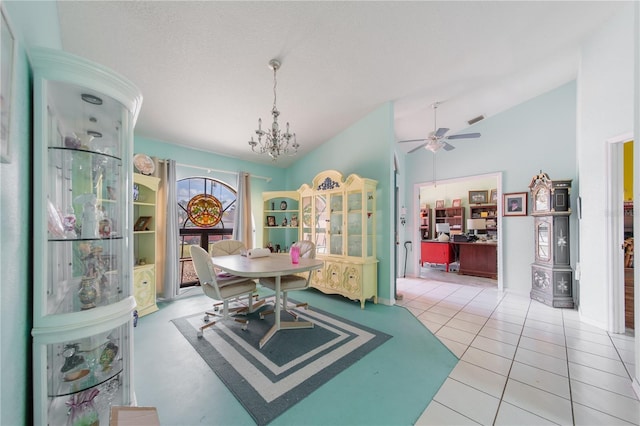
(621, 293)
(450, 190)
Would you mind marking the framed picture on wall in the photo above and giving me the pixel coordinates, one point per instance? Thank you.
(141, 223)
(478, 197)
(493, 196)
(514, 204)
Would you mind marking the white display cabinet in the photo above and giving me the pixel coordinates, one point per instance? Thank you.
(83, 304)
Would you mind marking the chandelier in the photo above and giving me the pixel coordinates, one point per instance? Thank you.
(275, 143)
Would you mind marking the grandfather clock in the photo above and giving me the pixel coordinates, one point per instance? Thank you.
(551, 273)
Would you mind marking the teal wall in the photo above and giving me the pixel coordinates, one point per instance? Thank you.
(365, 148)
(16, 280)
(192, 157)
(539, 134)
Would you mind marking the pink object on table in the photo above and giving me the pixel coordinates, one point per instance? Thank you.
(295, 254)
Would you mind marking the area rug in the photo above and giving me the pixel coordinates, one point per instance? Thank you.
(289, 367)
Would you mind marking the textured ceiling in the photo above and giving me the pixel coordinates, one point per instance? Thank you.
(202, 66)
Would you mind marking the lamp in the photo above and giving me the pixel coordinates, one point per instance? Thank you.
(476, 224)
(276, 143)
(434, 145)
(443, 229)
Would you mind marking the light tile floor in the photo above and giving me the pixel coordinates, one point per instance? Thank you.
(521, 362)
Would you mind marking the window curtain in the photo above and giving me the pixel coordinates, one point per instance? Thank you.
(167, 260)
(243, 229)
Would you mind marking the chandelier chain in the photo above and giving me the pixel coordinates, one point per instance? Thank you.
(275, 84)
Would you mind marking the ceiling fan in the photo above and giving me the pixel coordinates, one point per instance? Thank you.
(437, 139)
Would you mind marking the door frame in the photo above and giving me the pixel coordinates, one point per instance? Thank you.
(615, 231)
(415, 209)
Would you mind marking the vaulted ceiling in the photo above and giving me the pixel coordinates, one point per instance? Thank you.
(202, 66)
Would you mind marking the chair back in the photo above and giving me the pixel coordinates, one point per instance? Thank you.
(307, 249)
(205, 271)
(226, 247)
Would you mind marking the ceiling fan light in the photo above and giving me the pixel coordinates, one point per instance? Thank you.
(434, 146)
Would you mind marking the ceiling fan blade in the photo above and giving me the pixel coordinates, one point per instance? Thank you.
(447, 146)
(440, 132)
(465, 136)
(417, 147)
(413, 140)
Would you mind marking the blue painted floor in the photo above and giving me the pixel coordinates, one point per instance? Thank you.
(392, 385)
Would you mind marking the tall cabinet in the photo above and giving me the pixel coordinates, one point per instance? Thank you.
(145, 193)
(551, 273)
(339, 216)
(83, 304)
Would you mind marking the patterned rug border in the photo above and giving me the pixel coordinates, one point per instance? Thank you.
(261, 410)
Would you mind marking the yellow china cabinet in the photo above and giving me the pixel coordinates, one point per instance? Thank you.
(145, 190)
(339, 216)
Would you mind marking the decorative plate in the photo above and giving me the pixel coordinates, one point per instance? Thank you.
(144, 164)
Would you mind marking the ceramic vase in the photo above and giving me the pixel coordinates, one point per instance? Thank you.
(87, 293)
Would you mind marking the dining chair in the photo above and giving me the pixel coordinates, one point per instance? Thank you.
(229, 247)
(291, 282)
(226, 247)
(222, 288)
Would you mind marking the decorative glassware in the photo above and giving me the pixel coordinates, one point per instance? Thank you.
(82, 411)
(295, 254)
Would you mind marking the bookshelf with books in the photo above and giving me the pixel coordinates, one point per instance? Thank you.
(488, 212)
(454, 216)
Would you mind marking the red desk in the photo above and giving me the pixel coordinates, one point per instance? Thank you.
(436, 252)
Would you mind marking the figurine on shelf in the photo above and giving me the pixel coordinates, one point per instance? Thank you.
(284, 222)
(69, 223)
(108, 355)
(90, 215)
(71, 357)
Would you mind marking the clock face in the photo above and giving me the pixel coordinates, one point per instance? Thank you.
(542, 199)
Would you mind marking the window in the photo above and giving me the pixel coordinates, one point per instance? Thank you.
(206, 213)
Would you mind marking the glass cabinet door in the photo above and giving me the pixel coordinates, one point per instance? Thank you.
(370, 221)
(543, 244)
(84, 376)
(336, 224)
(85, 201)
(306, 219)
(321, 223)
(354, 224)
